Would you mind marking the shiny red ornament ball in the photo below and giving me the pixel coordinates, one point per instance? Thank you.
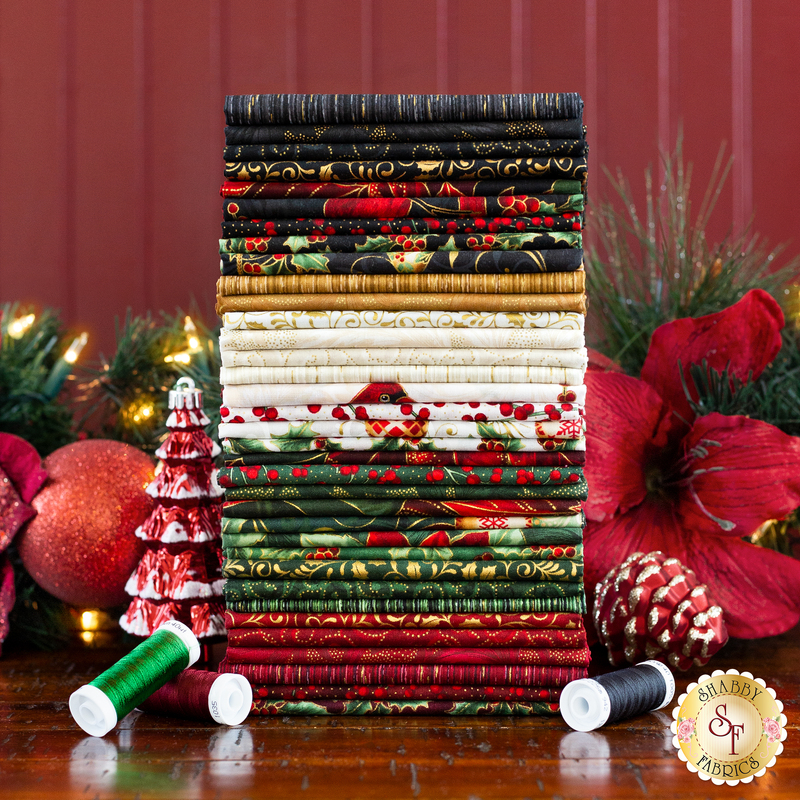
(652, 607)
(81, 545)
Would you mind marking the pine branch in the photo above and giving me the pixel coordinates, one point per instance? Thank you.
(655, 269)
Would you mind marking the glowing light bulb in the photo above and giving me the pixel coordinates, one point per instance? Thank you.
(190, 329)
(142, 412)
(74, 350)
(16, 330)
(90, 620)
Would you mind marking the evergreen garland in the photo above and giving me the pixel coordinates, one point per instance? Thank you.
(27, 359)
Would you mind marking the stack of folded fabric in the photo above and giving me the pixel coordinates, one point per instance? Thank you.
(402, 367)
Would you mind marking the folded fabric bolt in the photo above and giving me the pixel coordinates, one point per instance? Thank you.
(528, 283)
(295, 589)
(255, 133)
(460, 623)
(419, 708)
(409, 412)
(405, 429)
(408, 444)
(420, 301)
(406, 356)
(528, 553)
(558, 539)
(560, 570)
(402, 207)
(463, 320)
(388, 605)
(475, 188)
(324, 109)
(405, 151)
(429, 491)
(397, 507)
(443, 242)
(286, 475)
(568, 221)
(429, 170)
(408, 655)
(240, 457)
(318, 555)
(427, 338)
(386, 692)
(266, 395)
(398, 374)
(435, 529)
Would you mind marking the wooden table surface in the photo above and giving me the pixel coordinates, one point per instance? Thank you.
(43, 754)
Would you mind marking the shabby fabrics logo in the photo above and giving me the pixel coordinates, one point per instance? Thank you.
(729, 727)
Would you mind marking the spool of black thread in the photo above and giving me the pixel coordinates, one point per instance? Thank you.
(590, 703)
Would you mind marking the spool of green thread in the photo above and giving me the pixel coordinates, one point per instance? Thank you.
(99, 705)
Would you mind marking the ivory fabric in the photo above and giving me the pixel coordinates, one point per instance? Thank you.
(405, 356)
(277, 320)
(325, 338)
(398, 374)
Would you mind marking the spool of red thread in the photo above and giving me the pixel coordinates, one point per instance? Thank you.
(207, 696)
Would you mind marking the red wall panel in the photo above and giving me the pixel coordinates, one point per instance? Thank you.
(35, 185)
(111, 113)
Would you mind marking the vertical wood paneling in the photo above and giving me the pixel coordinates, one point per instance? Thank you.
(411, 68)
(142, 207)
(742, 112)
(111, 114)
(480, 47)
(367, 46)
(668, 100)
(109, 275)
(627, 102)
(261, 50)
(186, 171)
(704, 108)
(329, 46)
(34, 129)
(776, 118)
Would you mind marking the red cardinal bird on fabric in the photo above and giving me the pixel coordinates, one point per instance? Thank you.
(662, 478)
(382, 393)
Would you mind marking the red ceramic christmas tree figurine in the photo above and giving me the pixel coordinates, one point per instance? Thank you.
(179, 575)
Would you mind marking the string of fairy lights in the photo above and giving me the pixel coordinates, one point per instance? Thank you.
(126, 392)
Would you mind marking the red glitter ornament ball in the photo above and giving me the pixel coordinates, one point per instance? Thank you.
(81, 545)
(652, 607)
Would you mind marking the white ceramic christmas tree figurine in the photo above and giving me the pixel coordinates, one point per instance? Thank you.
(179, 574)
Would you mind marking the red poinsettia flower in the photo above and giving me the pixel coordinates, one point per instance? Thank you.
(662, 479)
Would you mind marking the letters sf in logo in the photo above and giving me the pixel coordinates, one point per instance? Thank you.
(720, 726)
(729, 727)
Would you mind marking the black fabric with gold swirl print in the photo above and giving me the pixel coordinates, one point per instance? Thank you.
(405, 132)
(402, 151)
(433, 170)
